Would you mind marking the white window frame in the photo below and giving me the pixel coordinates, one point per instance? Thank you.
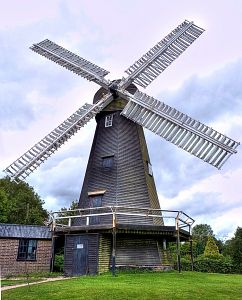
(109, 120)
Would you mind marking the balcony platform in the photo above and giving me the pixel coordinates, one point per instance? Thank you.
(169, 232)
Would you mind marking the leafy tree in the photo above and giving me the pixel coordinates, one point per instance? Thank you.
(200, 235)
(4, 207)
(236, 249)
(227, 248)
(64, 212)
(20, 204)
(211, 248)
(74, 205)
(220, 245)
(202, 231)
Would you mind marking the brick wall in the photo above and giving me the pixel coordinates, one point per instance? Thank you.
(10, 265)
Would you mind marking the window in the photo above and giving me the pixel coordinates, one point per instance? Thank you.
(109, 120)
(95, 201)
(149, 169)
(27, 249)
(107, 162)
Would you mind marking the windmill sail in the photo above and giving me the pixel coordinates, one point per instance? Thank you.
(71, 61)
(158, 58)
(31, 159)
(174, 126)
(192, 136)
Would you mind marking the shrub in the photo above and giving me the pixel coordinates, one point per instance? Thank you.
(207, 264)
(211, 249)
(59, 262)
(214, 265)
(186, 264)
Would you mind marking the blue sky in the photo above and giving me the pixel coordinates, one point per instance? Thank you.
(205, 82)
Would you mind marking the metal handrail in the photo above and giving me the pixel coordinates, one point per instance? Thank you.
(115, 211)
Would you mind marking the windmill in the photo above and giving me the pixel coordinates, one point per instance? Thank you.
(119, 171)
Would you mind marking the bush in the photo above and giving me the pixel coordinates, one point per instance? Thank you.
(213, 265)
(211, 249)
(208, 264)
(59, 262)
(186, 264)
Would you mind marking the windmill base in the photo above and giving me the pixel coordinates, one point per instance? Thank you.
(96, 249)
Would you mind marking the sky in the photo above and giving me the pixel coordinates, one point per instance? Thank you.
(205, 82)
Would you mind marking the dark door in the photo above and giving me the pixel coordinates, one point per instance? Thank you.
(80, 256)
(95, 201)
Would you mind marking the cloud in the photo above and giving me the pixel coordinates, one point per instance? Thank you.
(216, 100)
(211, 97)
(15, 111)
(62, 182)
(31, 86)
(202, 204)
(215, 200)
(65, 170)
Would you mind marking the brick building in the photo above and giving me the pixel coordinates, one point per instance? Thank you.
(24, 248)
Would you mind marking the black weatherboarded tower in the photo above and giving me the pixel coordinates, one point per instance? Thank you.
(118, 174)
(119, 222)
(119, 170)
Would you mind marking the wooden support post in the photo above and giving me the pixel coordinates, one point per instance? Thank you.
(178, 246)
(52, 260)
(114, 247)
(191, 254)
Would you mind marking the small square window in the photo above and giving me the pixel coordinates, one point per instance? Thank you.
(150, 171)
(27, 249)
(109, 120)
(107, 162)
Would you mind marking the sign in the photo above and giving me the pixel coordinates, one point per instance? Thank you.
(79, 246)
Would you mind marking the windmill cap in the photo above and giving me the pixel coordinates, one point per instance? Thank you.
(102, 91)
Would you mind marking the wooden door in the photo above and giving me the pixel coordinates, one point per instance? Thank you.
(80, 256)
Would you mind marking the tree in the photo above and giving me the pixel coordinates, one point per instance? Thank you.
(227, 248)
(64, 212)
(211, 248)
(200, 235)
(201, 231)
(4, 207)
(20, 204)
(236, 249)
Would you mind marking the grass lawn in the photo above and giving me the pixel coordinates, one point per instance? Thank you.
(150, 285)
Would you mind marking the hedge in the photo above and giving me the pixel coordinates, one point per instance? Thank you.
(210, 265)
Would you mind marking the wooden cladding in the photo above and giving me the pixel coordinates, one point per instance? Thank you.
(104, 253)
(136, 251)
(91, 253)
(127, 182)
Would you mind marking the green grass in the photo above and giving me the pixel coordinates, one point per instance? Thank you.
(157, 285)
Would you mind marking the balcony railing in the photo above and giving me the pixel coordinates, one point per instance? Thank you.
(176, 218)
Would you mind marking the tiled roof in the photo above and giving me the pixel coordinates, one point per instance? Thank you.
(24, 231)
